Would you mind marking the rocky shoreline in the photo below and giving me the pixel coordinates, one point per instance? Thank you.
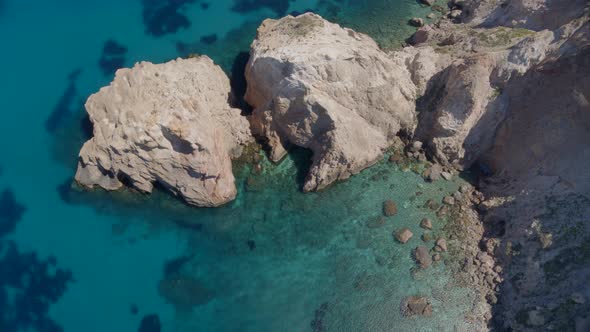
(499, 87)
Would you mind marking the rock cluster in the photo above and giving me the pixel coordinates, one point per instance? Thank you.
(169, 124)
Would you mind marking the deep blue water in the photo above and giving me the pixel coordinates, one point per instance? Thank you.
(273, 260)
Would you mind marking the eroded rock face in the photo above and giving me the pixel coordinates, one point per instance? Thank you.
(165, 123)
(459, 120)
(548, 127)
(329, 89)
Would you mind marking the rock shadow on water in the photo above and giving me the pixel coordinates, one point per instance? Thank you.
(11, 212)
(150, 323)
(280, 7)
(165, 17)
(29, 285)
(112, 58)
(302, 159)
(180, 288)
(67, 104)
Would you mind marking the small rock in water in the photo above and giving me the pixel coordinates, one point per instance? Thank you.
(431, 204)
(389, 208)
(449, 200)
(465, 188)
(455, 13)
(426, 223)
(433, 173)
(251, 244)
(416, 305)
(417, 22)
(436, 257)
(447, 176)
(457, 196)
(395, 158)
(441, 245)
(403, 235)
(431, 16)
(422, 257)
(426, 237)
(416, 145)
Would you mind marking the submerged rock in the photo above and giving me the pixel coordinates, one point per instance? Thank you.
(441, 245)
(389, 208)
(169, 124)
(150, 323)
(346, 103)
(375, 222)
(416, 21)
(403, 235)
(416, 306)
(422, 257)
(426, 223)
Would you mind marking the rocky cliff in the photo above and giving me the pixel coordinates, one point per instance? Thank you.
(513, 98)
(326, 88)
(169, 124)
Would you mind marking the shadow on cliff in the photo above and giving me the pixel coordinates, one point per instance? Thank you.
(540, 161)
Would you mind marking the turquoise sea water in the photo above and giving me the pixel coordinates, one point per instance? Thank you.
(274, 260)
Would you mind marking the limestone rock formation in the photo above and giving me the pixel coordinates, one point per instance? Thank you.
(326, 88)
(169, 124)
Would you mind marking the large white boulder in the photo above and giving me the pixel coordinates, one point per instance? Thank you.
(170, 124)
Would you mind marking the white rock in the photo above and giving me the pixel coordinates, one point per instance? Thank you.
(330, 89)
(165, 123)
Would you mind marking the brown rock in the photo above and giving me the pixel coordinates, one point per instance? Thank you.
(403, 235)
(389, 208)
(433, 173)
(449, 200)
(426, 223)
(441, 245)
(422, 257)
(426, 237)
(416, 21)
(416, 305)
(431, 204)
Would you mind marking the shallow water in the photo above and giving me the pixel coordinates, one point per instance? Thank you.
(274, 260)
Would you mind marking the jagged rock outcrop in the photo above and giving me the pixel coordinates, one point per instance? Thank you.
(326, 88)
(465, 101)
(170, 124)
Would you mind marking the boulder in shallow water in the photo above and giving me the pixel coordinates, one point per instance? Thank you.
(426, 223)
(345, 103)
(403, 235)
(169, 124)
(416, 306)
(422, 257)
(389, 208)
(416, 21)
